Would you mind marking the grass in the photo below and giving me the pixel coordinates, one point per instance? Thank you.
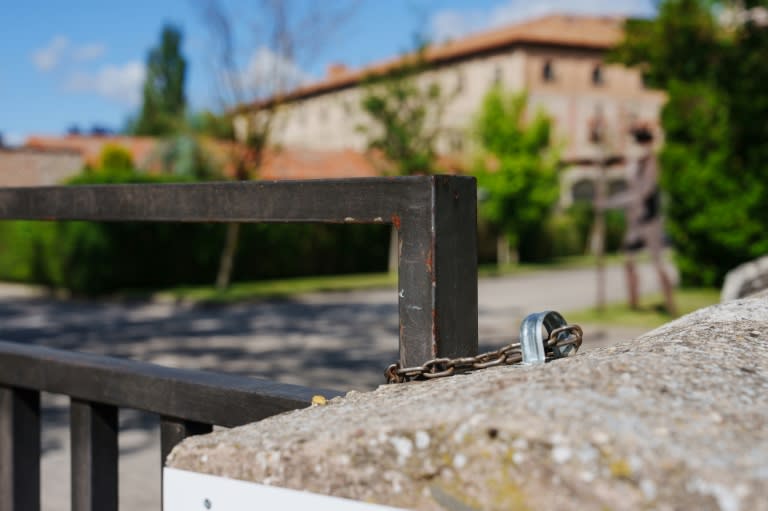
(280, 288)
(561, 263)
(286, 288)
(651, 313)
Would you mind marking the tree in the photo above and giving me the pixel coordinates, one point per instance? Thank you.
(516, 168)
(185, 155)
(405, 121)
(115, 157)
(713, 161)
(406, 116)
(164, 101)
(282, 41)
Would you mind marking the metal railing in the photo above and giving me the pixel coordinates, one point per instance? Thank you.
(437, 297)
(188, 403)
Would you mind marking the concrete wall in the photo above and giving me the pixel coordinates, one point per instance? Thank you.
(675, 419)
(34, 167)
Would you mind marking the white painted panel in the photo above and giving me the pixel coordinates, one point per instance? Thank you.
(191, 491)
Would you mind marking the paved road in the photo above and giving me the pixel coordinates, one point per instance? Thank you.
(335, 340)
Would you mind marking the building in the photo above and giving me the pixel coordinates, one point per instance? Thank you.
(49, 160)
(558, 60)
(25, 166)
(142, 149)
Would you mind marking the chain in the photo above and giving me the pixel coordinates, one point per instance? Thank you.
(561, 342)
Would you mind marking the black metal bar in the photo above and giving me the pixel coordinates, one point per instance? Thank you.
(455, 267)
(438, 274)
(173, 431)
(19, 449)
(434, 215)
(198, 396)
(93, 433)
(334, 201)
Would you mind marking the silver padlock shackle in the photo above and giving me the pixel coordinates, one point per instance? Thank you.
(531, 338)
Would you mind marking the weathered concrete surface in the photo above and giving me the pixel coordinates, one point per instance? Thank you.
(677, 419)
(332, 340)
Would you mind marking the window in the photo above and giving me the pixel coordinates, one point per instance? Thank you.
(548, 71)
(459, 82)
(597, 75)
(616, 187)
(596, 130)
(645, 80)
(583, 190)
(456, 142)
(497, 75)
(597, 126)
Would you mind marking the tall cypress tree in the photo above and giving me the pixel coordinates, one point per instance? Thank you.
(164, 99)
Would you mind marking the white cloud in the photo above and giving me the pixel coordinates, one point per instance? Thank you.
(119, 83)
(268, 72)
(89, 52)
(61, 50)
(453, 23)
(49, 57)
(450, 24)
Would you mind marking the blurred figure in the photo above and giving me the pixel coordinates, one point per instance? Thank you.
(642, 206)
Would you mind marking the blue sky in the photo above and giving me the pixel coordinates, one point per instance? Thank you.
(82, 61)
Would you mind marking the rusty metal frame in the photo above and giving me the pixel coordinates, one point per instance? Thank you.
(434, 215)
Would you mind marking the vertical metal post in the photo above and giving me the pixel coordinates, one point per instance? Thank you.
(19, 449)
(93, 430)
(438, 273)
(173, 431)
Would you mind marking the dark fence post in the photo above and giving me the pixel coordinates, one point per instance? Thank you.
(19, 449)
(93, 430)
(437, 286)
(173, 431)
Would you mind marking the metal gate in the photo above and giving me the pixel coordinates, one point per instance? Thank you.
(437, 300)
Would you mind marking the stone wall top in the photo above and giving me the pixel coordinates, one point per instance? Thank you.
(676, 419)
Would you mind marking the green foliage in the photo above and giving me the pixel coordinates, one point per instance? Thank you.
(185, 156)
(567, 233)
(162, 111)
(713, 163)
(517, 168)
(679, 44)
(115, 157)
(405, 117)
(93, 258)
(208, 123)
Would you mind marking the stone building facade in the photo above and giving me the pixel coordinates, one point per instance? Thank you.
(558, 60)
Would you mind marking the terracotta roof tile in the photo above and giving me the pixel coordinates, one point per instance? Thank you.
(277, 164)
(314, 164)
(90, 147)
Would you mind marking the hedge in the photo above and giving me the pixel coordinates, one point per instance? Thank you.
(98, 257)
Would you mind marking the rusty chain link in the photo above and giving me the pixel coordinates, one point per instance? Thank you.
(560, 343)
